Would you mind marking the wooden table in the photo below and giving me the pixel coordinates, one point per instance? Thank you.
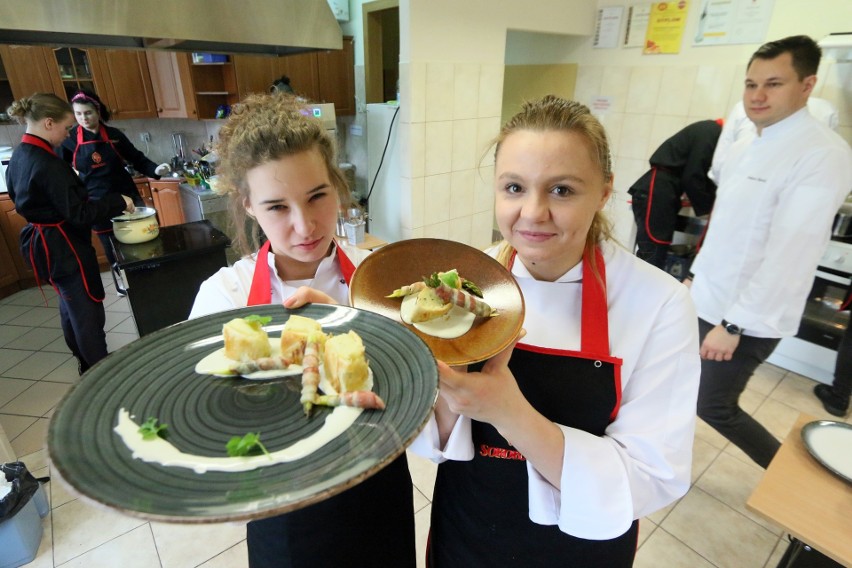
(807, 500)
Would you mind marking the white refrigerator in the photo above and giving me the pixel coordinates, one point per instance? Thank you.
(384, 200)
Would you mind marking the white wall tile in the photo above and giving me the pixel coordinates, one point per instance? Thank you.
(588, 84)
(643, 89)
(486, 130)
(483, 196)
(482, 224)
(627, 171)
(460, 229)
(439, 147)
(436, 230)
(662, 128)
(462, 190)
(613, 122)
(615, 84)
(416, 95)
(634, 136)
(436, 199)
(439, 91)
(413, 149)
(676, 86)
(711, 96)
(836, 85)
(466, 91)
(491, 90)
(464, 150)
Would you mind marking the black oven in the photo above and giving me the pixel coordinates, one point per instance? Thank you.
(823, 323)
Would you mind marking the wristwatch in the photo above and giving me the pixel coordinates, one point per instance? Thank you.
(731, 328)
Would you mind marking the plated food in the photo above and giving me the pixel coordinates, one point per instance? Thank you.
(406, 263)
(155, 377)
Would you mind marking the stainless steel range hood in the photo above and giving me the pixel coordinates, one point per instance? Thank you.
(273, 27)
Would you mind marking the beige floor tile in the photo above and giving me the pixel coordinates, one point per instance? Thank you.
(780, 549)
(79, 528)
(709, 435)
(9, 358)
(422, 522)
(38, 399)
(646, 529)
(186, 546)
(718, 533)
(32, 439)
(57, 345)
(766, 378)
(134, 549)
(44, 556)
(657, 517)
(732, 481)
(11, 389)
(14, 425)
(60, 492)
(703, 454)
(234, 557)
(420, 500)
(797, 392)
(34, 339)
(36, 366)
(35, 316)
(777, 417)
(750, 400)
(116, 341)
(662, 550)
(65, 373)
(423, 473)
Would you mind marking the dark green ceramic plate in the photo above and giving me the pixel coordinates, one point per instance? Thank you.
(155, 376)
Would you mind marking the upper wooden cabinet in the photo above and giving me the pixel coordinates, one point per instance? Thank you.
(170, 77)
(29, 70)
(123, 82)
(326, 76)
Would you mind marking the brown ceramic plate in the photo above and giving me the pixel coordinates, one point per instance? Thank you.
(404, 262)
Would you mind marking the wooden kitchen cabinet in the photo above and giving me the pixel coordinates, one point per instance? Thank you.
(166, 196)
(144, 189)
(28, 70)
(336, 69)
(6, 97)
(256, 73)
(170, 78)
(123, 82)
(8, 269)
(11, 224)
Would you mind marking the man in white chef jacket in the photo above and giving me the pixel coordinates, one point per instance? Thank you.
(777, 196)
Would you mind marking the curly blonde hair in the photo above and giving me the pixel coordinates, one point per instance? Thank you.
(263, 128)
(555, 113)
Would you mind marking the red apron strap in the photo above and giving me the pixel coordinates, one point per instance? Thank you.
(648, 210)
(261, 281)
(594, 329)
(346, 265)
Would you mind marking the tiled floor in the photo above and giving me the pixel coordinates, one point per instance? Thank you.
(708, 527)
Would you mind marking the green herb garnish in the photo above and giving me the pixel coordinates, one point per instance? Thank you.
(245, 446)
(150, 429)
(260, 320)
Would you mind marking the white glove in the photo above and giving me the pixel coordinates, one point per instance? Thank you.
(162, 169)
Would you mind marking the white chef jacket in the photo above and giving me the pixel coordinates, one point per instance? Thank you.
(775, 204)
(643, 461)
(229, 287)
(738, 125)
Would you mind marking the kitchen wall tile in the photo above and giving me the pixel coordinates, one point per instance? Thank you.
(413, 233)
(190, 545)
(643, 89)
(462, 190)
(133, 549)
(411, 202)
(487, 129)
(736, 91)
(620, 214)
(436, 207)
(490, 90)
(436, 230)
(732, 481)
(635, 135)
(416, 91)
(234, 557)
(439, 91)
(713, 84)
(460, 230)
(482, 225)
(412, 149)
(466, 91)
(626, 172)
(676, 86)
(662, 549)
(404, 92)
(714, 541)
(662, 128)
(588, 83)
(464, 154)
(483, 192)
(439, 147)
(834, 78)
(613, 123)
(615, 84)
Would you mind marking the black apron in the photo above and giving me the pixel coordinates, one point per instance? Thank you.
(370, 525)
(480, 514)
(98, 163)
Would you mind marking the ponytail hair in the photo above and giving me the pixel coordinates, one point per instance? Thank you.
(38, 107)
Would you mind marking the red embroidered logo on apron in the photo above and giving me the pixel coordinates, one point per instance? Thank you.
(96, 158)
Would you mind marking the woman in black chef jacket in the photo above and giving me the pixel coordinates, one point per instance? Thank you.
(99, 153)
(553, 451)
(57, 240)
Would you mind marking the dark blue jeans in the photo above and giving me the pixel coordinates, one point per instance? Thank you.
(82, 319)
(722, 383)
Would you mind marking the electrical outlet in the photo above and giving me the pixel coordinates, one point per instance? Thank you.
(145, 136)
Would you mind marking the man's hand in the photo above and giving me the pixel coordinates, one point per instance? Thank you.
(719, 345)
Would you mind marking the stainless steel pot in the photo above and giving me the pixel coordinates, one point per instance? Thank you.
(138, 227)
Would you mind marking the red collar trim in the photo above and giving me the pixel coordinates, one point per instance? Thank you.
(34, 140)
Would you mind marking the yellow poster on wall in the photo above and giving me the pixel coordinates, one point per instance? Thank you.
(665, 27)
